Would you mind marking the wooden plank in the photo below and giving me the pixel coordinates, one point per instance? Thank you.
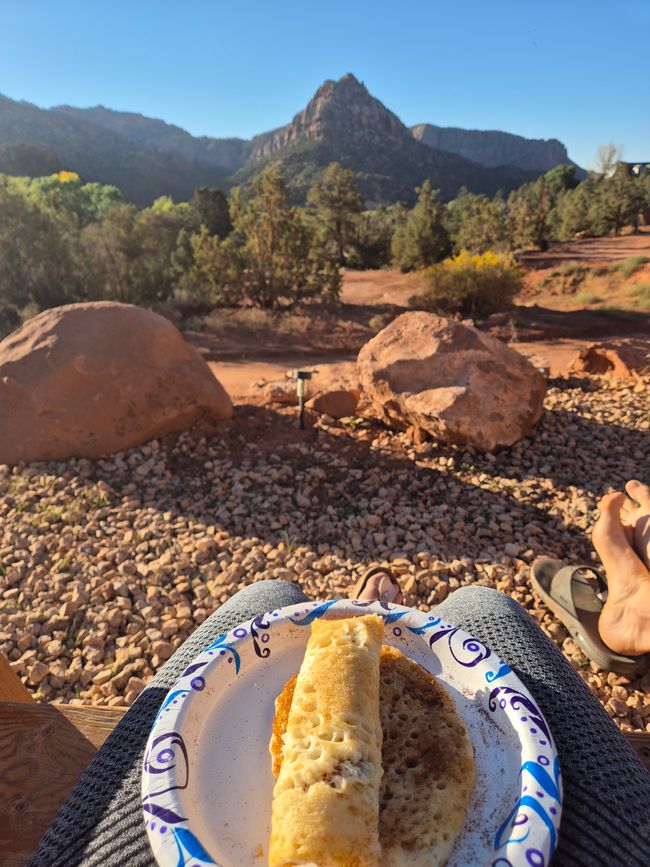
(95, 723)
(43, 751)
(11, 686)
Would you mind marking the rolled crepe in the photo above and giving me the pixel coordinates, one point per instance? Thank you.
(427, 758)
(326, 798)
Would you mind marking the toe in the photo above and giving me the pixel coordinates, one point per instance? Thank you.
(640, 493)
(609, 535)
(623, 567)
(388, 591)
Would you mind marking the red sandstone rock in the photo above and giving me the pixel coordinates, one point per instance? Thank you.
(455, 382)
(89, 379)
(625, 357)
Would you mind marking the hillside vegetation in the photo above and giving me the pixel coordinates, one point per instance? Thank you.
(63, 241)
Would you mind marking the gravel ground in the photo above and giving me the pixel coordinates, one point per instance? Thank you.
(107, 566)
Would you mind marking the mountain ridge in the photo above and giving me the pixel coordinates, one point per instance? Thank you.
(492, 148)
(147, 157)
(222, 153)
(99, 154)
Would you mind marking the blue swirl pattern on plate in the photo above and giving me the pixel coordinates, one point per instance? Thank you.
(526, 836)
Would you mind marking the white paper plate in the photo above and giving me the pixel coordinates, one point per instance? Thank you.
(207, 783)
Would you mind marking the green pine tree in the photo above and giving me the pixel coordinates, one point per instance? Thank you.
(336, 203)
(423, 238)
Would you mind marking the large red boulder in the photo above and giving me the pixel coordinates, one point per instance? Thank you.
(89, 379)
(625, 357)
(457, 383)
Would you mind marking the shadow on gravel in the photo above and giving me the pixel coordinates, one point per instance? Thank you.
(584, 453)
(544, 323)
(319, 487)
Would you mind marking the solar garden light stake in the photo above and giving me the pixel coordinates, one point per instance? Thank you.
(300, 376)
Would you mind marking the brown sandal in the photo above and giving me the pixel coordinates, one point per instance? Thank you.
(360, 586)
(576, 603)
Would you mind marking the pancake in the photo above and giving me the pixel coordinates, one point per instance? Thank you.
(428, 763)
(427, 759)
(326, 797)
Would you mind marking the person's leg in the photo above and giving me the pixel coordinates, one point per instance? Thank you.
(606, 809)
(101, 822)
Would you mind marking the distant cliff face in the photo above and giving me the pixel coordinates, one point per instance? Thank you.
(492, 148)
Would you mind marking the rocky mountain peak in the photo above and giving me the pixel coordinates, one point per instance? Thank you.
(339, 110)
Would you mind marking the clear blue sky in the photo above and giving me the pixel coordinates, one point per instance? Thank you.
(577, 70)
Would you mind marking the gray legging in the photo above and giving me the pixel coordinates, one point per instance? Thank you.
(606, 811)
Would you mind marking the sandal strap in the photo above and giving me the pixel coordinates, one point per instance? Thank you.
(375, 570)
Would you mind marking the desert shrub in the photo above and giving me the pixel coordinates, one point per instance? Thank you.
(478, 224)
(641, 291)
(600, 205)
(274, 257)
(588, 298)
(211, 209)
(632, 264)
(529, 210)
(379, 322)
(336, 202)
(422, 238)
(128, 256)
(9, 318)
(573, 274)
(372, 241)
(570, 268)
(471, 285)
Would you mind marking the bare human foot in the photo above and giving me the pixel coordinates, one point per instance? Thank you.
(380, 588)
(621, 536)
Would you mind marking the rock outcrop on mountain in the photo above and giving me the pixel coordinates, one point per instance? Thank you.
(342, 110)
(493, 148)
(147, 158)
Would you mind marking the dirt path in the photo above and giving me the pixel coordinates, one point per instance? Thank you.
(380, 287)
(592, 250)
(557, 353)
(238, 376)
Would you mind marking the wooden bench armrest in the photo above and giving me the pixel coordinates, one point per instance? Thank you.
(44, 749)
(11, 686)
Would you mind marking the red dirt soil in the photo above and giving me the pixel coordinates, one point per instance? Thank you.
(370, 299)
(591, 251)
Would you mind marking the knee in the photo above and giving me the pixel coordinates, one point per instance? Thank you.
(269, 585)
(286, 592)
(482, 600)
